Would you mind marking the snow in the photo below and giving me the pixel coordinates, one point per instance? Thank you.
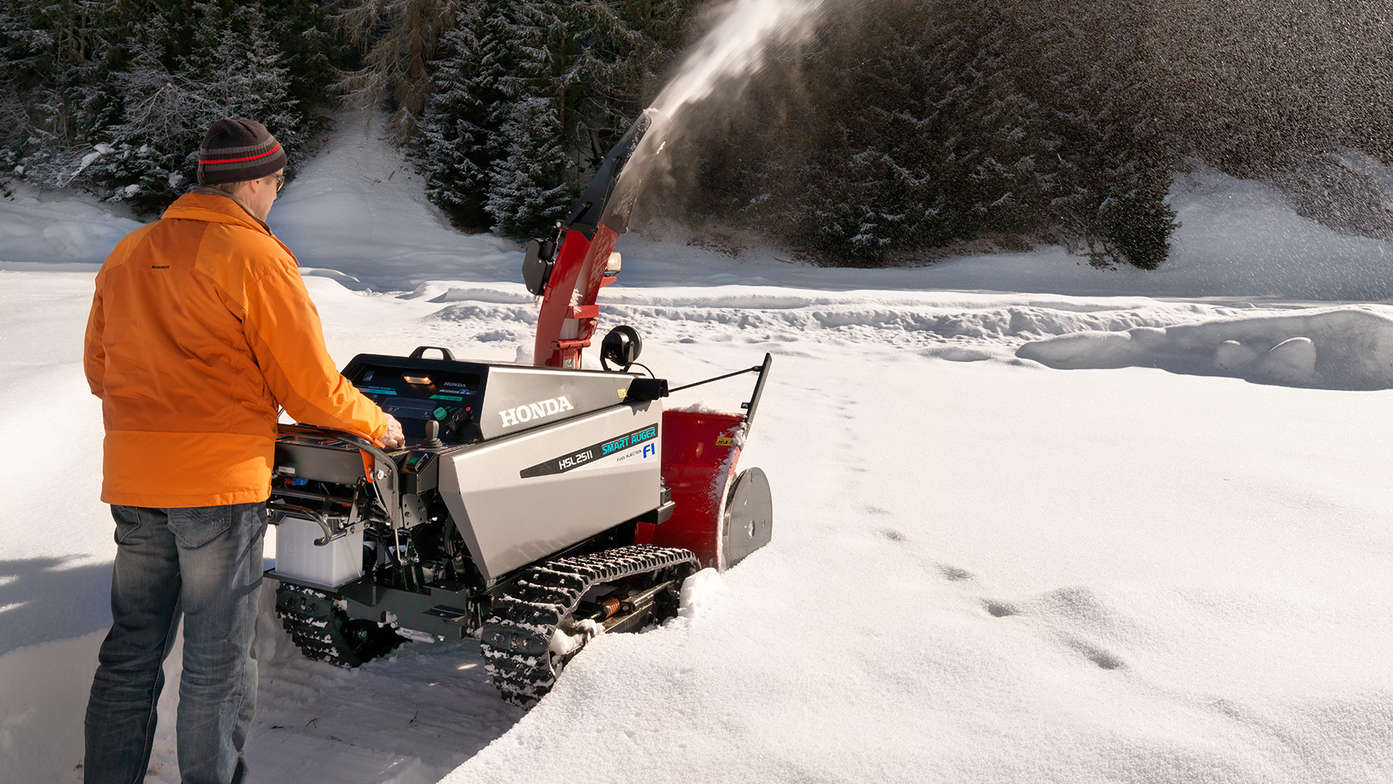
(38, 226)
(1349, 348)
(1341, 348)
(350, 210)
(736, 44)
(1034, 521)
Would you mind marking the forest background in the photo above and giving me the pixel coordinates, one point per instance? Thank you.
(891, 132)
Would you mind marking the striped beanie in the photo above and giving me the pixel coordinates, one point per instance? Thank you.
(235, 150)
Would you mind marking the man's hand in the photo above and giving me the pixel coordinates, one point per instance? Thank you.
(393, 438)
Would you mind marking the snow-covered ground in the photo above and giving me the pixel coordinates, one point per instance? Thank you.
(1035, 522)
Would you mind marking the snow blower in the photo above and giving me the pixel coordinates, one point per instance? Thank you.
(532, 507)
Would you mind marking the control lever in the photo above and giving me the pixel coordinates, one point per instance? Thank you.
(460, 427)
(432, 435)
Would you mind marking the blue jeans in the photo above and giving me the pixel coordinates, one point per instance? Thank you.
(203, 562)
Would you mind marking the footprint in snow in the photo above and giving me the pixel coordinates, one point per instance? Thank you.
(1103, 658)
(954, 574)
(997, 609)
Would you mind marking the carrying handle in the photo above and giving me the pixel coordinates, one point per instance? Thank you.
(420, 352)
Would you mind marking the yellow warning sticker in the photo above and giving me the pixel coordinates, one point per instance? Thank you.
(724, 441)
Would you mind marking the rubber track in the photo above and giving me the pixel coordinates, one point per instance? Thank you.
(543, 597)
(310, 632)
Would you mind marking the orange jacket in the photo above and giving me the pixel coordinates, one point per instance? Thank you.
(200, 326)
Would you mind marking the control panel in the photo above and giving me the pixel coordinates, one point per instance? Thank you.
(418, 391)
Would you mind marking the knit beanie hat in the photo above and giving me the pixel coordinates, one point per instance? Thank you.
(235, 150)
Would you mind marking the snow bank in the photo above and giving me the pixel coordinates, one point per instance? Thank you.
(360, 211)
(907, 318)
(1237, 238)
(1345, 348)
(59, 228)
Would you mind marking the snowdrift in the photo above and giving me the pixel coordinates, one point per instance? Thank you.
(1345, 348)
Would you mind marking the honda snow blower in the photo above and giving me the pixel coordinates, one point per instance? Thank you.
(532, 507)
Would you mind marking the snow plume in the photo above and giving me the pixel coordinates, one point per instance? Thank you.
(742, 34)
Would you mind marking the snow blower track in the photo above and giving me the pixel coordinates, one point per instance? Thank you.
(517, 638)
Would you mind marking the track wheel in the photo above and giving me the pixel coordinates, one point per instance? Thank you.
(325, 633)
(362, 640)
(747, 523)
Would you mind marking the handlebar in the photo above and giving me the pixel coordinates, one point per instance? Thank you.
(382, 474)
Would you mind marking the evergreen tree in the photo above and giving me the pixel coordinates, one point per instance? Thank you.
(115, 96)
(303, 33)
(459, 128)
(398, 39)
(232, 68)
(249, 78)
(143, 158)
(1115, 159)
(527, 191)
(56, 82)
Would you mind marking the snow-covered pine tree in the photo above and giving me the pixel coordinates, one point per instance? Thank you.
(531, 174)
(242, 68)
(56, 80)
(593, 60)
(303, 31)
(527, 189)
(104, 92)
(857, 204)
(398, 38)
(1114, 161)
(592, 65)
(250, 77)
(17, 64)
(232, 69)
(459, 128)
(946, 150)
(141, 158)
(13, 53)
(1017, 142)
(590, 61)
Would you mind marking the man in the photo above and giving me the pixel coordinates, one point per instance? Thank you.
(200, 327)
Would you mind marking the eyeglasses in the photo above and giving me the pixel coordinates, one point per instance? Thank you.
(279, 177)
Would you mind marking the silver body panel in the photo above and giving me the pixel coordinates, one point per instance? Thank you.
(519, 397)
(583, 481)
